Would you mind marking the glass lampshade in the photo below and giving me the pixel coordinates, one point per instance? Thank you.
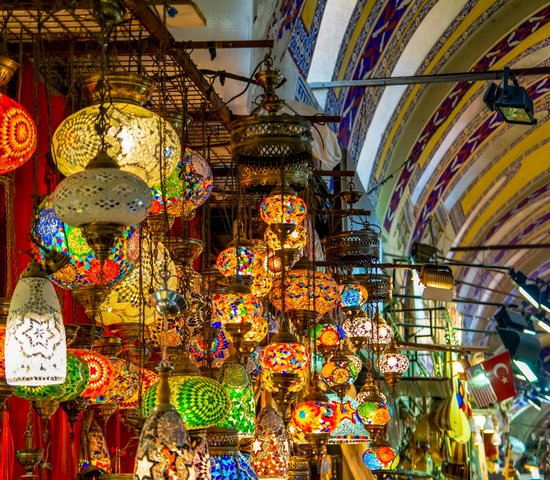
(325, 336)
(285, 358)
(296, 240)
(102, 195)
(18, 135)
(381, 335)
(237, 308)
(78, 375)
(270, 448)
(202, 352)
(258, 331)
(35, 345)
(99, 451)
(201, 401)
(381, 456)
(373, 409)
(392, 363)
(284, 208)
(2, 351)
(139, 140)
(147, 378)
(186, 188)
(338, 372)
(350, 428)
(125, 303)
(84, 268)
(201, 461)
(235, 379)
(231, 466)
(102, 372)
(125, 383)
(300, 293)
(314, 417)
(262, 276)
(354, 296)
(237, 261)
(164, 451)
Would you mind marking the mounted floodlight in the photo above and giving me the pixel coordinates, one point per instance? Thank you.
(511, 101)
(422, 252)
(529, 291)
(526, 370)
(534, 402)
(541, 321)
(545, 298)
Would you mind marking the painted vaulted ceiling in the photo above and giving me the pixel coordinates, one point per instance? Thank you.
(442, 168)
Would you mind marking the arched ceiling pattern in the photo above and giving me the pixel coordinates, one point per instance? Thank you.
(449, 166)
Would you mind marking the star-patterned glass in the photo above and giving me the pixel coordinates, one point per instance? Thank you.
(271, 447)
(164, 451)
(35, 345)
(312, 417)
(350, 428)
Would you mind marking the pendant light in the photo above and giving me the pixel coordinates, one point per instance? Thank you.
(35, 345)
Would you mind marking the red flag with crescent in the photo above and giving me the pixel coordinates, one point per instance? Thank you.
(499, 372)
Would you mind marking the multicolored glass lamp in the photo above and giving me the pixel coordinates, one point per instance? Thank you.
(283, 210)
(373, 409)
(201, 401)
(270, 447)
(35, 345)
(354, 296)
(358, 328)
(350, 428)
(18, 134)
(308, 294)
(381, 335)
(238, 260)
(381, 456)
(235, 379)
(102, 372)
(186, 188)
(138, 139)
(94, 443)
(315, 417)
(164, 450)
(393, 364)
(325, 337)
(339, 373)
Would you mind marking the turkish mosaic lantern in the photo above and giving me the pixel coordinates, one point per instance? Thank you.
(381, 456)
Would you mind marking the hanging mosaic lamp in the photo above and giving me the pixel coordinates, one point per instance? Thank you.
(138, 139)
(373, 409)
(284, 355)
(350, 428)
(295, 241)
(282, 210)
(201, 401)
(381, 456)
(354, 296)
(125, 302)
(270, 447)
(325, 337)
(185, 189)
(315, 417)
(94, 443)
(235, 307)
(102, 200)
(35, 345)
(235, 379)
(5, 389)
(84, 268)
(308, 294)
(204, 351)
(164, 450)
(393, 364)
(262, 276)
(226, 461)
(18, 134)
(381, 334)
(102, 372)
(147, 378)
(358, 328)
(339, 373)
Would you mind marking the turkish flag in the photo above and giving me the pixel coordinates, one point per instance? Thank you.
(499, 372)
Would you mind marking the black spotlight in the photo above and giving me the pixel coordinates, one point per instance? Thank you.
(529, 291)
(512, 101)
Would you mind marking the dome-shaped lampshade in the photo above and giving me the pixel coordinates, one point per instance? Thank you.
(148, 378)
(326, 337)
(236, 308)
(354, 296)
(18, 134)
(201, 402)
(238, 261)
(392, 363)
(78, 376)
(138, 140)
(35, 345)
(285, 208)
(339, 373)
(382, 334)
(102, 194)
(186, 188)
(357, 328)
(373, 409)
(102, 372)
(271, 447)
(125, 383)
(314, 417)
(84, 268)
(306, 290)
(381, 456)
(201, 351)
(285, 358)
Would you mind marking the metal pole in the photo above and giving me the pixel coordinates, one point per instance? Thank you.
(424, 79)
(455, 300)
(473, 248)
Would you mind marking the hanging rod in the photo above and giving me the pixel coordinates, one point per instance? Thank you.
(424, 79)
(475, 248)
